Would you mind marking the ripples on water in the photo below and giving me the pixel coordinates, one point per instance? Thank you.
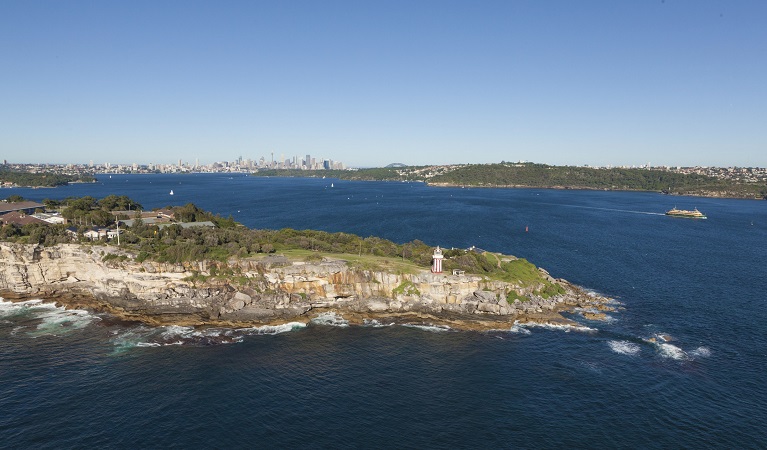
(681, 366)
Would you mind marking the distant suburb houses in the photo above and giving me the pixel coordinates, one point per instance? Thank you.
(27, 213)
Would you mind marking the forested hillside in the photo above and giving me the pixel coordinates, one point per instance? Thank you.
(545, 176)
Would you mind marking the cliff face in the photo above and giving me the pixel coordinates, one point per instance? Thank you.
(266, 290)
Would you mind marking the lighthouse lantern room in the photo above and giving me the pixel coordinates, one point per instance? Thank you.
(436, 262)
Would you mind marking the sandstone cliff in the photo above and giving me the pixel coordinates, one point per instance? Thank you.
(265, 290)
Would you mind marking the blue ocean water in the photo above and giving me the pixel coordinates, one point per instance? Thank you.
(74, 379)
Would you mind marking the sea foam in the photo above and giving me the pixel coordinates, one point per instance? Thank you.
(54, 320)
(624, 347)
(702, 352)
(375, 323)
(330, 319)
(561, 327)
(432, 328)
(672, 351)
(273, 329)
(519, 329)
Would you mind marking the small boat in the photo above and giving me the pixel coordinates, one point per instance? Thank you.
(171, 192)
(694, 214)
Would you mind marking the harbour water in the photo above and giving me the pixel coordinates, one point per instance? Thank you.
(72, 379)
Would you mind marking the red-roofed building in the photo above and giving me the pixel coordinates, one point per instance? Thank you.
(19, 218)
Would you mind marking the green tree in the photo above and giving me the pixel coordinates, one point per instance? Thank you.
(14, 199)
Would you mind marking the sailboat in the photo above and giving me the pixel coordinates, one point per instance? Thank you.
(171, 192)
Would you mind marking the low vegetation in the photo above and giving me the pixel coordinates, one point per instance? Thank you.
(173, 243)
(406, 288)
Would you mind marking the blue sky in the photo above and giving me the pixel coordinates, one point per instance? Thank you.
(370, 83)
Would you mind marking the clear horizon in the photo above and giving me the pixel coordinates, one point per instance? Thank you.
(670, 83)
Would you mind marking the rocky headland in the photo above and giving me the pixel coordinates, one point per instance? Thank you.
(275, 289)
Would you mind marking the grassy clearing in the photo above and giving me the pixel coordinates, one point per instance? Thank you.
(362, 262)
(519, 271)
(513, 295)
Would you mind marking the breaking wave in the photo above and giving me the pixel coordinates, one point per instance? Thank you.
(561, 327)
(702, 352)
(375, 323)
(432, 328)
(519, 329)
(624, 347)
(672, 351)
(44, 319)
(143, 336)
(330, 319)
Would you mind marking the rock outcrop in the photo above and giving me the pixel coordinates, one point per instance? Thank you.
(265, 290)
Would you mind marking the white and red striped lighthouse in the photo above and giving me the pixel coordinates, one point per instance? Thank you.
(436, 262)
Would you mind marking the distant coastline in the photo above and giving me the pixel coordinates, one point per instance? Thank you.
(740, 183)
(541, 176)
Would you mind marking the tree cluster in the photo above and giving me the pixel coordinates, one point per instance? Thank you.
(41, 179)
(175, 243)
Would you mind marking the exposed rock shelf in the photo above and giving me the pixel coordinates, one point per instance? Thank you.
(270, 290)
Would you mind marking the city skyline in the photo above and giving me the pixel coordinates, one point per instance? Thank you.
(672, 83)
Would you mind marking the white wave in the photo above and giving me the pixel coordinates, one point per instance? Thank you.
(176, 330)
(432, 328)
(10, 309)
(562, 327)
(672, 351)
(519, 329)
(702, 352)
(134, 337)
(54, 320)
(172, 335)
(375, 323)
(624, 347)
(273, 329)
(180, 335)
(61, 320)
(330, 319)
(592, 292)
